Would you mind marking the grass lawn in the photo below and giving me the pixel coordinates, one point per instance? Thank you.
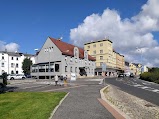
(28, 105)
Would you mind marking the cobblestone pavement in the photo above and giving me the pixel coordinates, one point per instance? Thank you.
(132, 106)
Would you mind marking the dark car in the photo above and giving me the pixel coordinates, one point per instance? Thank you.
(132, 75)
(121, 75)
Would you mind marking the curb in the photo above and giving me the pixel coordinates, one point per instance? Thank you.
(53, 112)
(118, 114)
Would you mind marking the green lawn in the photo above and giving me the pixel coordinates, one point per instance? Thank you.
(28, 105)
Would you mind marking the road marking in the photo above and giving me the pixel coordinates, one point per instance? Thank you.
(137, 85)
(145, 87)
(146, 83)
(155, 90)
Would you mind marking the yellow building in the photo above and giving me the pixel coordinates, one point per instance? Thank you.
(120, 62)
(103, 51)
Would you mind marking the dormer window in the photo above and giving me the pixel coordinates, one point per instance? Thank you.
(65, 58)
(71, 59)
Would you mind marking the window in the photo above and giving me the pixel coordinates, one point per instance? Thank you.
(101, 44)
(88, 47)
(16, 72)
(101, 63)
(17, 65)
(101, 57)
(56, 67)
(65, 58)
(70, 69)
(76, 69)
(2, 64)
(65, 68)
(71, 59)
(12, 65)
(94, 52)
(17, 58)
(94, 45)
(2, 57)
(101, 51)
(12, 58)
(12, 72)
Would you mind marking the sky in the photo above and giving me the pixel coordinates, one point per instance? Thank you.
(132, 25)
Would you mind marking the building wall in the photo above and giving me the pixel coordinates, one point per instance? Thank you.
(12, 63)
(120, 61)
(67, 64)
(102, 51)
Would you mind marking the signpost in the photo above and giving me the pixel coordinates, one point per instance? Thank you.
(103, 71)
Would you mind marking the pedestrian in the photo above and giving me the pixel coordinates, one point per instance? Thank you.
(65, 80)
(61, 80)
(56, 80)
(4, 75)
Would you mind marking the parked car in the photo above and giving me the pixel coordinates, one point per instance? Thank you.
(16, 76)
(121, 75)
(28, 76)
(132, 75)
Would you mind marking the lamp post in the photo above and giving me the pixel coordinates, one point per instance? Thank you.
(49, 50)
(139, 49)
(36, 50)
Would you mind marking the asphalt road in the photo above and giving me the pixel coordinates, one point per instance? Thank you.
(142, 89)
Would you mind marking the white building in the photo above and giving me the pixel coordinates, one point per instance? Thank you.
(57, 57)
(11, 62)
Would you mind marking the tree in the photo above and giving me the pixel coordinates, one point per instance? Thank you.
(26, 66)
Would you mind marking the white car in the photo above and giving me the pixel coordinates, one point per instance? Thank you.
(16, 76)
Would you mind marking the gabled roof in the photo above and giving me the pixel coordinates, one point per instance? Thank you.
(68, 49)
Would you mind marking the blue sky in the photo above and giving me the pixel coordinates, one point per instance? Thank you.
(28, 23)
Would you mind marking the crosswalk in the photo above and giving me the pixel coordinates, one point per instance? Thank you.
(145, 85)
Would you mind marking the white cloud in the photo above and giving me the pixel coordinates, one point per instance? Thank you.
(11, 47)
(127, 34)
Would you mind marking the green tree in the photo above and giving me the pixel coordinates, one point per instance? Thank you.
(26, 66)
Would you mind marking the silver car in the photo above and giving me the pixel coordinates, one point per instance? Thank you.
(16, 76)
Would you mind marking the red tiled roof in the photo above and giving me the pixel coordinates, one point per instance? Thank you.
(68, 49)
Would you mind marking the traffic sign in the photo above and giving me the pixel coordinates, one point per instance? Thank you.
(104, 67)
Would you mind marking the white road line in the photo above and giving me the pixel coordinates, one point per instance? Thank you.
(146, 83)
(155, 90)
(137, 85)
(145, 87)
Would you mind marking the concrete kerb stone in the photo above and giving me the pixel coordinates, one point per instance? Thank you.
(115, 108)
(53, 112)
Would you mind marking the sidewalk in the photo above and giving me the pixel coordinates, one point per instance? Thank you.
(132, 106)
(82, 103)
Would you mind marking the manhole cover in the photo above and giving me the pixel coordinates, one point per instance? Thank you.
(149, 105)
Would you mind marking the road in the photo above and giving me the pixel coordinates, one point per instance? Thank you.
(139, 88)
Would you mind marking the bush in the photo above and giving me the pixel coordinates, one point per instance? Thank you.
(150, 76)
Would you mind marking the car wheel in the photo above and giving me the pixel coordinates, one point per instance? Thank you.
(11, 78)
(23, 78)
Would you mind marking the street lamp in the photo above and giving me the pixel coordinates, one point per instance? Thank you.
(139, 49)
(49, 50)
(36, 50)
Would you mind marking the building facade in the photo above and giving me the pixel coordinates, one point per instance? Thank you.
(11, 62)
(103, 51)
(57, 57)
